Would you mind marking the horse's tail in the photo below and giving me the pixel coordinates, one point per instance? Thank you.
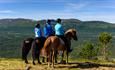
(46, 48)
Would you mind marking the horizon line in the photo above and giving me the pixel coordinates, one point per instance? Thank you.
(55, 19)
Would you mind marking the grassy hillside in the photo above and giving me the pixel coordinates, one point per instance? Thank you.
(14, 31)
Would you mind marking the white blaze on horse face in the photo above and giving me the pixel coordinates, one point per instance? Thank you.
(61, 41)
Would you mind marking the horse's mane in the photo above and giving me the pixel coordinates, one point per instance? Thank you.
(70, 30)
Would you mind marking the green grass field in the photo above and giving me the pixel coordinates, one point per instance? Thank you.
(18, 64)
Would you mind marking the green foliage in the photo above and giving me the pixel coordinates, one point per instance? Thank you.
(88, 51)
(105, 38)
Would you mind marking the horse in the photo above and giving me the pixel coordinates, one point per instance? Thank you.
(26, 46)
(54, 44)
(35, 44)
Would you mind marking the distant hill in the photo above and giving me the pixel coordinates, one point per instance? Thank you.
(66, 21)
(14, 31)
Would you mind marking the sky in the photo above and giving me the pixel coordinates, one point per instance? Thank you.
(84, 10)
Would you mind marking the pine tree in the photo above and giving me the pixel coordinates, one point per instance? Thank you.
(105, 38)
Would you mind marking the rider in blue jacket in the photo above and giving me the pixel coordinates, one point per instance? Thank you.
(37, 43)
(48, 30)
(38, 32)
(59, 32)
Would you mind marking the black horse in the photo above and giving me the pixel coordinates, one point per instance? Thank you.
(36, 48)
(26, 46)
(34, 44)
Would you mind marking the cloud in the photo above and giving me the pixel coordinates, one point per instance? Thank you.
(34, 1)
(85, 16)
(77, 6)
(103, 4)
(8, 1)
(111, 6)
(6, 12)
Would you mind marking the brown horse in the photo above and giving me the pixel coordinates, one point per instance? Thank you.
(54, 43)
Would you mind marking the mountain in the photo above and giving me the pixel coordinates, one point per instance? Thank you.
(14, 31)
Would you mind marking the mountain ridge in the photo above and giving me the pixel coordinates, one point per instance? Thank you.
(6, 20)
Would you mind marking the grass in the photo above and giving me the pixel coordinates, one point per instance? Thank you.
(18, 64)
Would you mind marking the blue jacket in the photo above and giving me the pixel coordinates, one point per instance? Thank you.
(59, 29)
(38, 32)
(48, 30)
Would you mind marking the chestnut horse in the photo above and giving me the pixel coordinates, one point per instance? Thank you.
(54, 44)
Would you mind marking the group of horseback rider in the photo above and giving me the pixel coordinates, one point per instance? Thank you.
(40, 43)
(48, 31)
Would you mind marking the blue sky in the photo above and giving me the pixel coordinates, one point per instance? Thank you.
(85, 10)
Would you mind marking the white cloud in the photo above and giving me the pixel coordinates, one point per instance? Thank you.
(76, 6)
(6, 12)
(34, 1)
(7, 1)
(98, 17)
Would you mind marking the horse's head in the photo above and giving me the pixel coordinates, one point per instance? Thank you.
(71, 33)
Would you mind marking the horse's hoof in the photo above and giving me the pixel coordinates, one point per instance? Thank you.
(34, 63)
(63, 62)
(26, 62)
(39, 63)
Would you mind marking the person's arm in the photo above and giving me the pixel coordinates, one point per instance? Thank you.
(62, 30)
(51, 30)
(39, 33)
(36, 31)
(45, 31)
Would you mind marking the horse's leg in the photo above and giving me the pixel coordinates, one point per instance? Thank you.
(26, 61)
(33, 52)
(46, 59)
(24, 56)
(62, 55)
(33, 57)
(67, 56)
(53, 53)
(51, 56)
(49, 60)
(43, 59)
(38, 54)
(25, 50)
